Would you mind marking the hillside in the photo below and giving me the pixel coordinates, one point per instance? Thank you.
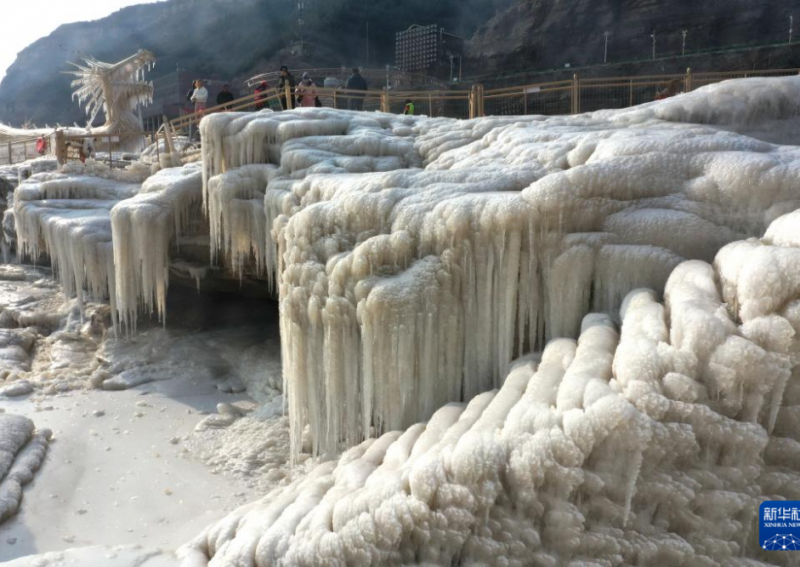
(225, 38)
(548, 34)
(230, 39)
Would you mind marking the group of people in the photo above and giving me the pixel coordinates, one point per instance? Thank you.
(305, 93)
(198, 95)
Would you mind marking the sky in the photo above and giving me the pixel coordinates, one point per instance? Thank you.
(30, 20)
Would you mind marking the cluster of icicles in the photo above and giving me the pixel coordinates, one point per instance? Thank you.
(416, 259)
(652, 443)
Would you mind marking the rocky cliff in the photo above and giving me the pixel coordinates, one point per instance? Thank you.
(237, 38)
(220, 38)
(209, 37)
(547, 34)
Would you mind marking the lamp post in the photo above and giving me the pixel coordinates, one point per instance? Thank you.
(683, 45)
(653, 35)
(605, 49)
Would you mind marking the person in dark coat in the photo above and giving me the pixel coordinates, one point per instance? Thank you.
(286, 79)
(356, 83)
(224, 97)
(189, 109)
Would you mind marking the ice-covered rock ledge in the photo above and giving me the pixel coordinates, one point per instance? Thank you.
(416, 258)
(653, 444)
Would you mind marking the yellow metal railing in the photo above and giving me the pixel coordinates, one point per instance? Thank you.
(572, 96)
(70, 147)
(17, 151)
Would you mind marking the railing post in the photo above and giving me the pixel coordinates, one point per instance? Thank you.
(61, 149)
(688, 81)
(576, 95)
(168, 138)
(289, 97)
(630, 98)
(472, 102)
(108, 146)
(385, 106)
(10, 160)
(524, 101)
(481, 103)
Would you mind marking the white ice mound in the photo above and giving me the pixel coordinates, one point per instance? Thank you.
(653, 445)
(68, 218)
(99, 230)
(143, 228)
(416, 258)
(474, 242)
(22, 450)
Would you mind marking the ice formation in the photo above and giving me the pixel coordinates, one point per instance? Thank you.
(72, 216)
(115, 88)
(68, 217)
(651, 445)
(415, 260)
(143, 228)
(22, 450)
(394, 240)
(391, 240)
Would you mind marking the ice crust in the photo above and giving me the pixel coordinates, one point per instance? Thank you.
(390, 240)
(653, 444)
(651, 440)
(432, 277)
(102, 226)
(393, 238)
(143, 228)
(22, 450)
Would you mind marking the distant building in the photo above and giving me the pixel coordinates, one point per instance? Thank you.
(430, 50)
(169, 97)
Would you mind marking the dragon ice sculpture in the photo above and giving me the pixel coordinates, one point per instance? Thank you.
(115, 88)
(118, 89)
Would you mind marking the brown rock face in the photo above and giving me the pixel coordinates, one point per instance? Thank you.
(548, 34)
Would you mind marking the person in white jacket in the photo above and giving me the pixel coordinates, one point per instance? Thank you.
(200, 97)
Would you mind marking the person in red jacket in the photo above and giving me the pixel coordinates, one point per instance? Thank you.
(261, 95)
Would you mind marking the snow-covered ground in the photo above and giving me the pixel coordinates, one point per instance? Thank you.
(118, 471)
(140, 452)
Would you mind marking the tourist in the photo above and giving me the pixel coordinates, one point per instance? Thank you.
(356, 83)
(41, 145)
(306, 92)
(261, 95)
(200, 97)
(87, 149)
(225, 97)
(191, 91)
(670, 90)
(287, 79)
(188, 109)
(409, 108)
